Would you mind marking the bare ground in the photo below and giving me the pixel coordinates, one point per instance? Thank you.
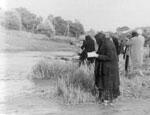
(20, 95)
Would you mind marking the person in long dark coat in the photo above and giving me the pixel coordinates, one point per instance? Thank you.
(106, 69)
(88, 46)
(117, 45)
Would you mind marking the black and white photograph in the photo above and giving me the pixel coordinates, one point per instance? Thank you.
(74, 57)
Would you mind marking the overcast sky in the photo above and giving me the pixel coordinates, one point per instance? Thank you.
(96, 14)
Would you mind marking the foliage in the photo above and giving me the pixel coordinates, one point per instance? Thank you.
(29, 20)
(76, 29)
(25, 20)
(67, 27)
(60, 25)
(46, 28)
(146, 34)
(11, 20)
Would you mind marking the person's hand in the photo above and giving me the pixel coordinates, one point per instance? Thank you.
(96, 55)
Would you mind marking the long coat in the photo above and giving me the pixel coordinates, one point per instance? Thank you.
(136, 50)
(88, 45)
(106, 66)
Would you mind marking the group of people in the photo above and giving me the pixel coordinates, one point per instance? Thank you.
(106, 60)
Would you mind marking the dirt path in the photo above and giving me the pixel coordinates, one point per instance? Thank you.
(21, 96)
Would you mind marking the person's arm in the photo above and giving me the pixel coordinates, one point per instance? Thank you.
(83, 45)
(124, 53)
(129, 42)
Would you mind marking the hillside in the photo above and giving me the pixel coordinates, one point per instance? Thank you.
(12, 40)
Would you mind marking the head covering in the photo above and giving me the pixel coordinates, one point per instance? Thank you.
(100, 38)
(134, 34)
(88, 38)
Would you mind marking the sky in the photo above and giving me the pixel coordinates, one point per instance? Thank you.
(99, 15)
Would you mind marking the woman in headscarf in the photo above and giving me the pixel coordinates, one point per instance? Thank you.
(137, 48)
(116, 43)
(88, 46)
(106, 69)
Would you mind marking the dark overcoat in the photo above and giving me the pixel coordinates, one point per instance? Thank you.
(88, 44)
(106, 66)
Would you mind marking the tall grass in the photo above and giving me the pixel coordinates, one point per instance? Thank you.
(44, 70)
(76, 84)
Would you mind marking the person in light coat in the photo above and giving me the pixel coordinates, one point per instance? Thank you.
(136, 51)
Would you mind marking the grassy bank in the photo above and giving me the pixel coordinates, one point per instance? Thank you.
(12, 40)
(76, 84)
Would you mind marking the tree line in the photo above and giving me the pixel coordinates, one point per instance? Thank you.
(23, 19)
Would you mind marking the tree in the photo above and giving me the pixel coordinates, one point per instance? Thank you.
(76, 29)
(46, 28)
(60, 25)
(11, 20)
(51, 19)
(29, 20)
(146, 34)
(39, 20)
